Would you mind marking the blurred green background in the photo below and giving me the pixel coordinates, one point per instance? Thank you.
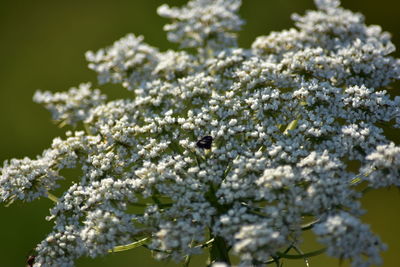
(42, 47)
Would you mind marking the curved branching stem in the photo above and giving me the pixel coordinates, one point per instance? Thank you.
(357, 180)
(219, 251)
(132, 245)
(298, 250)
(187, 261)
(277, 261)
(87, 128)
(310, 225)
(302, 256)
(291, 126)
(206, 244)
(52, 197)
(62, 123)
(156, 250)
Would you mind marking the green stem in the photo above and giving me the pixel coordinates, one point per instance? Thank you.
(302, 256)
(132, 245)
(219, 251)
(309, 225)
(87, 128)
(291, 126)
(298, 250)
(206, 244)
(52, 197)
(187, 261)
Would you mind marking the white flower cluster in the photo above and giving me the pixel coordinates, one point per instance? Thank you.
(73, 106)
(383, 166)
(203, 23)
(342, 231)
(28, 179)
(222, 147)
(129, 61)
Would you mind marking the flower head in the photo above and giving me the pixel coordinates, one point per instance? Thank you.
(222, 145)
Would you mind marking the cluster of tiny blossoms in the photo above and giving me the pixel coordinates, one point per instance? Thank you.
(295, 129)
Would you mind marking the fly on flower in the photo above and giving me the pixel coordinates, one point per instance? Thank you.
(205, 142)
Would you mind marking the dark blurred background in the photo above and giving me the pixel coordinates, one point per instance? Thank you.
(42, 47)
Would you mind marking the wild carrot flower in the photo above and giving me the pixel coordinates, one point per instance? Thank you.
(219, 147)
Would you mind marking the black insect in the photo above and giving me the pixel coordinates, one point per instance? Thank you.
(205, 142)
(30, 261)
